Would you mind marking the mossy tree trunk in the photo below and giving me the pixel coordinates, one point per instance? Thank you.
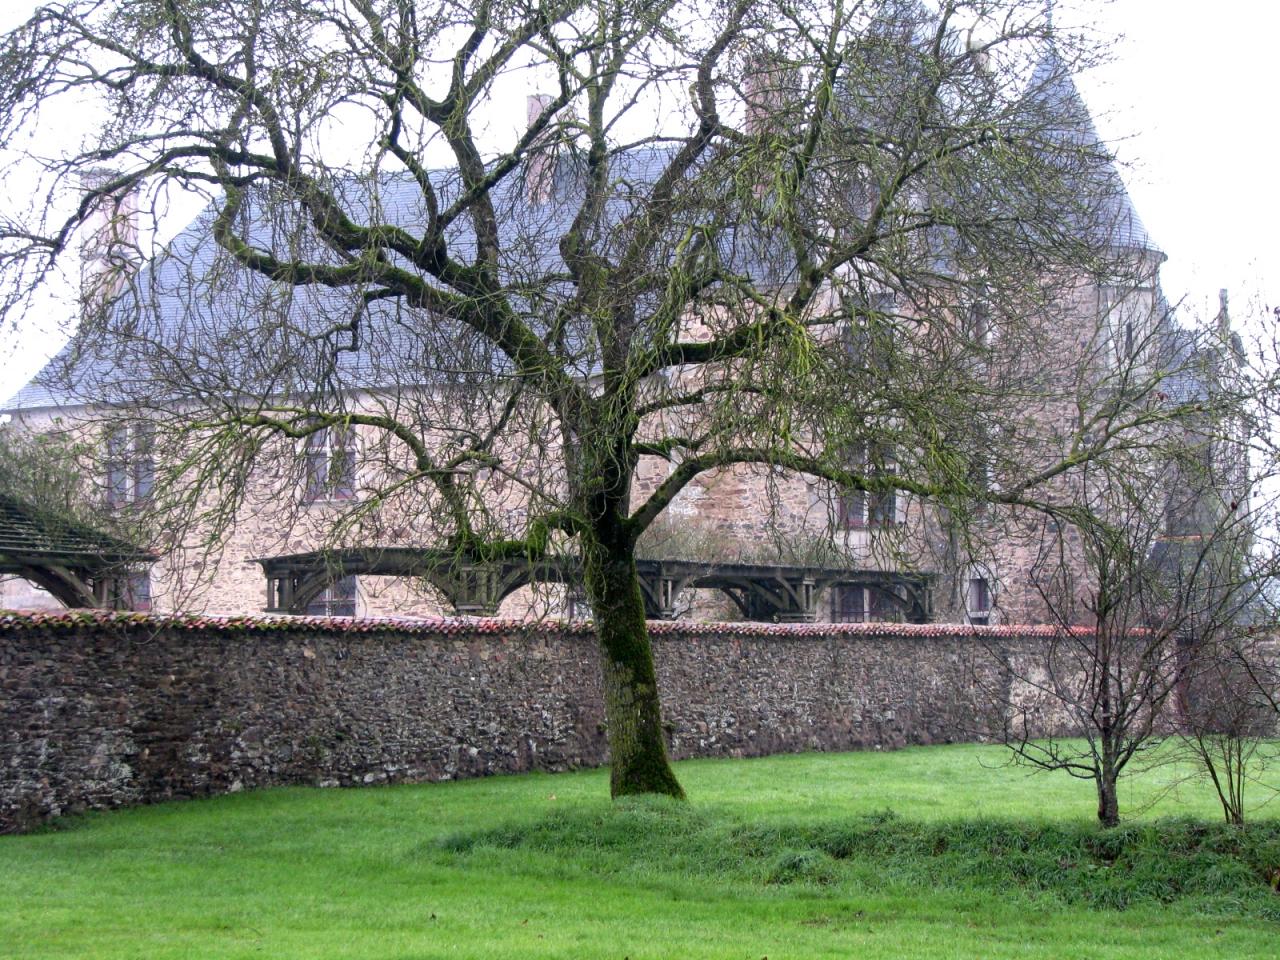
(637, 746)
(607, 540)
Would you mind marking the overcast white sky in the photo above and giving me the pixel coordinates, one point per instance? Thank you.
(1189, 106)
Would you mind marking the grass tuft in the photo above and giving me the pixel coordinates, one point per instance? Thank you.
(802, 866)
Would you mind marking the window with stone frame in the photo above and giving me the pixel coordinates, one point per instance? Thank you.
(330, 465)
(978, 601)
(336, 600)
(130, 463)
(1125, 316)
(859, 509)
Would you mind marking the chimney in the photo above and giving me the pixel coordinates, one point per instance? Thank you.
(540, 163)
(768, 88)
(109, 251)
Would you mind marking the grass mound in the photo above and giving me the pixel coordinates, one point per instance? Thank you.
(1209, 867)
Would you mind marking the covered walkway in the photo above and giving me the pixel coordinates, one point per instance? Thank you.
(771, 593)
(78, 565)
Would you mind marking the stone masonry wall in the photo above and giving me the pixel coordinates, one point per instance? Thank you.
(103, 710)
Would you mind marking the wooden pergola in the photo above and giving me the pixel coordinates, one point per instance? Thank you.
(80, 566)
(775, 593)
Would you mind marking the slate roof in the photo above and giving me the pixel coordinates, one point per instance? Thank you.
(1051, 84)
(1188, 379)
(194, 302)
(32, 535)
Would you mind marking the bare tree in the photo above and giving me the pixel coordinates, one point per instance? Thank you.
(1092, 700)
(1151, 569)
(1227, 705)
(1229, 720)
(830, 239)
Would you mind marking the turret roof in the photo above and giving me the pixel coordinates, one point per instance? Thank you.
(1052, 84)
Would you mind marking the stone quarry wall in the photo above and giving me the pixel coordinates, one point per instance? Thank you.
(102, 710)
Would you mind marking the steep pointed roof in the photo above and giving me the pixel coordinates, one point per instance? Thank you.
(1071, 124)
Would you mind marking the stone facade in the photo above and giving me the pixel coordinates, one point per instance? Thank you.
(744, 513)
(100, 710)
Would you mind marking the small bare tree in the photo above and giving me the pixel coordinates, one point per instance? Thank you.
(1093, 700)
(1150, 573)
(1229, 719)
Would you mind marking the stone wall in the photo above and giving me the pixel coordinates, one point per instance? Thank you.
(103, 710)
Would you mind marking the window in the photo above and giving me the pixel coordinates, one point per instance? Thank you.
(330, 465)
(138, 592)
(1120, 312)
(859, 604)
(882, 509)
(130, 463)
(979, 601)
(132, 592)
(857, 509)
(870, 342)
(849, 605)
(577, 607)
(337, 600)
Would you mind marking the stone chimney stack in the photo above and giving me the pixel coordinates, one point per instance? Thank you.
(769, 86)
(540, 163)
(109, 253)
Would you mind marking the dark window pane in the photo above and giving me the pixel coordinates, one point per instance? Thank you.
(979, 600)
(851, 509)
(342, 474)
(882, 509)
(139, 592)
(337, 600)
(848, 604)
(329, 466)
(144, 464)
(880, 606)
(117, 467)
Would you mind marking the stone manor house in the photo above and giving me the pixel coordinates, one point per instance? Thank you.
(707, 557)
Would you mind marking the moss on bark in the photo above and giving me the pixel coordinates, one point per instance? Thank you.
(637, 747)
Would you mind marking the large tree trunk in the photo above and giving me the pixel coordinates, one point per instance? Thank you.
(637, 748)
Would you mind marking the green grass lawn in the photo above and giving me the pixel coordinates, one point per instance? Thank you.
(927, 852)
